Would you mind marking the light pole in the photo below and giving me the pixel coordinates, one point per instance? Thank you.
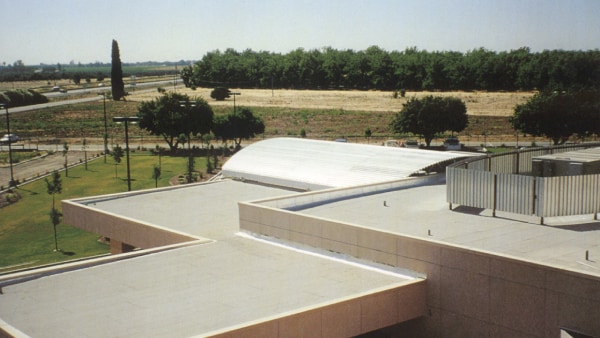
(187, 105)
(234, 95)
(105, 136)
(12, 182)
(126, 120)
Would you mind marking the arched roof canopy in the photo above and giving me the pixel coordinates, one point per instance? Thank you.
(312, 165)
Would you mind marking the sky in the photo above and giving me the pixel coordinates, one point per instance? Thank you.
(61, 31)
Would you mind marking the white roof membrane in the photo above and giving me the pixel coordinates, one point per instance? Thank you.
(313, 165)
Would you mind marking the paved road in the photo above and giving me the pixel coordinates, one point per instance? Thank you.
(75, 101)
(100, 90)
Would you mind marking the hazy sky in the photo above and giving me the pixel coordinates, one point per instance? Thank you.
(58, 31)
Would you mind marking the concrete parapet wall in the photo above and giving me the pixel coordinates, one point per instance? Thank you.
(308, 199)
(121, 229)
(345, 318)
(469, 293)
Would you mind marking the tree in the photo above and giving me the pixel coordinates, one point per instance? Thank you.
(76, 78)
(191, 167)
(65, 151)
(117, 155)
(54, 187)
(430, 116)
(186, 75)
(173, 114)
(156, 175)
(238, 125)
(558, 115)
(412, 69)
(220, 93)
(116, 73)
(215, 158)
(84, 148)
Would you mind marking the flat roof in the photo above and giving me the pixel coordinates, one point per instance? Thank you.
(423, 212)
(185, 292)
(207, 210)
(196, 289)
(583, 155)
(208, 287)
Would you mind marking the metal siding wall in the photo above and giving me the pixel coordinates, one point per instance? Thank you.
(515, 194)
(568, 195)
(525, 160)
(470, 188)
(504, 164)
(556, 196)
(480, 165)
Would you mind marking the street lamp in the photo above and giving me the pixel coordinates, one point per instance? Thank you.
(12, 182)
(187, 105)
(126, 120)
(234, 95)
(105, 137)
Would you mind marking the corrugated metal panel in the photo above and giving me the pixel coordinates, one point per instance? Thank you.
(480, 164)
(568, 195)
(311, 164)
(504, 164)
(470, 187)
(525, 158)
(515, 193)
(556, 196)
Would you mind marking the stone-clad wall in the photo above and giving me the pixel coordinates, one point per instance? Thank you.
(119, 229)
(469, 293)
(347, 318)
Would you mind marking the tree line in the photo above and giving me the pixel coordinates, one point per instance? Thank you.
(18, 71)
(21, 97)
(411, 69)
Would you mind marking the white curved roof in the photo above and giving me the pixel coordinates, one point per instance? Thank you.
(312, 165)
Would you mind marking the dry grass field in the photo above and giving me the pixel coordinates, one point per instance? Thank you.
(330, 114)
(321, 114)
(478, 103)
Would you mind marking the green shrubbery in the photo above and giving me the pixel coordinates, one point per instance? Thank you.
(220, 93)
(21, 97)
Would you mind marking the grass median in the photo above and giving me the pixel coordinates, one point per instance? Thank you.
(26, 231)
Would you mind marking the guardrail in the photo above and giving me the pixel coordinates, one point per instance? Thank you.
(503, 182)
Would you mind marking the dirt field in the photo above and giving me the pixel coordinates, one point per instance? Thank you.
(332, 114)
(478, 103)
(346, 114)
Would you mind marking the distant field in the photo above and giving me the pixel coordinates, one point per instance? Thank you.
(142, 73)
(133, 70)
(326, 114)
(331, 114)
(478, 103)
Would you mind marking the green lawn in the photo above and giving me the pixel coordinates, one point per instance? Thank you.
(26, 234)
(18, 156)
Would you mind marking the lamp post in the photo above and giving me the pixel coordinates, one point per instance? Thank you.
(234, 95)
(12, 182)
(105, 136)
(126, 120)
(187, 105)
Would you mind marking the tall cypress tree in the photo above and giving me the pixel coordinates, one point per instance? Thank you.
(116, 73)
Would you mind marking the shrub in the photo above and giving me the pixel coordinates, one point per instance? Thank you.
(220, 93)
(10, 197)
